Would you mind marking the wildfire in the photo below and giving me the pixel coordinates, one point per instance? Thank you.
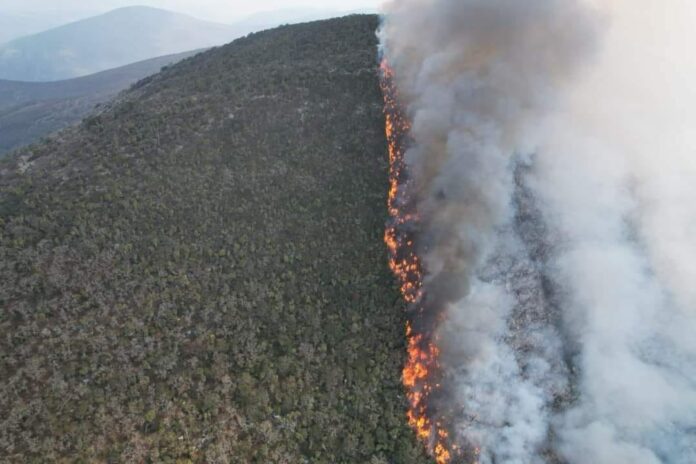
(422, 367)
(404, 262)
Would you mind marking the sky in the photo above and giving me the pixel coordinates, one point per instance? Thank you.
(215, 10)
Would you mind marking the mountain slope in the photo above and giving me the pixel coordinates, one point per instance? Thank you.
(111, 40)
(197, 273)
(30, 110)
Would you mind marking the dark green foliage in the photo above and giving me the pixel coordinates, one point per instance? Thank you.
(197, 273)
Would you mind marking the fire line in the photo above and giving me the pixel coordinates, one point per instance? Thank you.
(422, 368)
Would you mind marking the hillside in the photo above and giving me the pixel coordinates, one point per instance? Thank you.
(108, 41)
(31, 110)
(197, 273)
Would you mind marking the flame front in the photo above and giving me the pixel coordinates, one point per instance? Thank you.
(403, 261)
(422, 366)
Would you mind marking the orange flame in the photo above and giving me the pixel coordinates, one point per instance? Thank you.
(403, 262)
(423, 353)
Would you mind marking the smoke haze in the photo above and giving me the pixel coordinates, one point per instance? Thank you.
(553, 166)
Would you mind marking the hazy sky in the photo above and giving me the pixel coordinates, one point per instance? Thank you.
(216, 10)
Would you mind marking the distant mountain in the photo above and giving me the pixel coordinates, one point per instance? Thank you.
(114, 39)
(13, 25)
(31, 110)
(21, 20)
(196, 274)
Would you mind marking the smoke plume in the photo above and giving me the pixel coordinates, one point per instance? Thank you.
(552, 165)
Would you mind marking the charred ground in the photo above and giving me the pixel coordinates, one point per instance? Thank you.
(197, 273)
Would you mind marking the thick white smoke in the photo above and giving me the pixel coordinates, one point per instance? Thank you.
(554, 159)
(616, 174)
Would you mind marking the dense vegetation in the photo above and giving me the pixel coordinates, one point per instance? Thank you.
(197, 274)
(31, 110)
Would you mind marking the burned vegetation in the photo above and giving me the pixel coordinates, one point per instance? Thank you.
(197, 275)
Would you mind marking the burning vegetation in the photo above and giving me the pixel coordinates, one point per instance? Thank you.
(422, 369)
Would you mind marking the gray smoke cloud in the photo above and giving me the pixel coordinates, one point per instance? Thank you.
(614, 174)
(552, 165)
